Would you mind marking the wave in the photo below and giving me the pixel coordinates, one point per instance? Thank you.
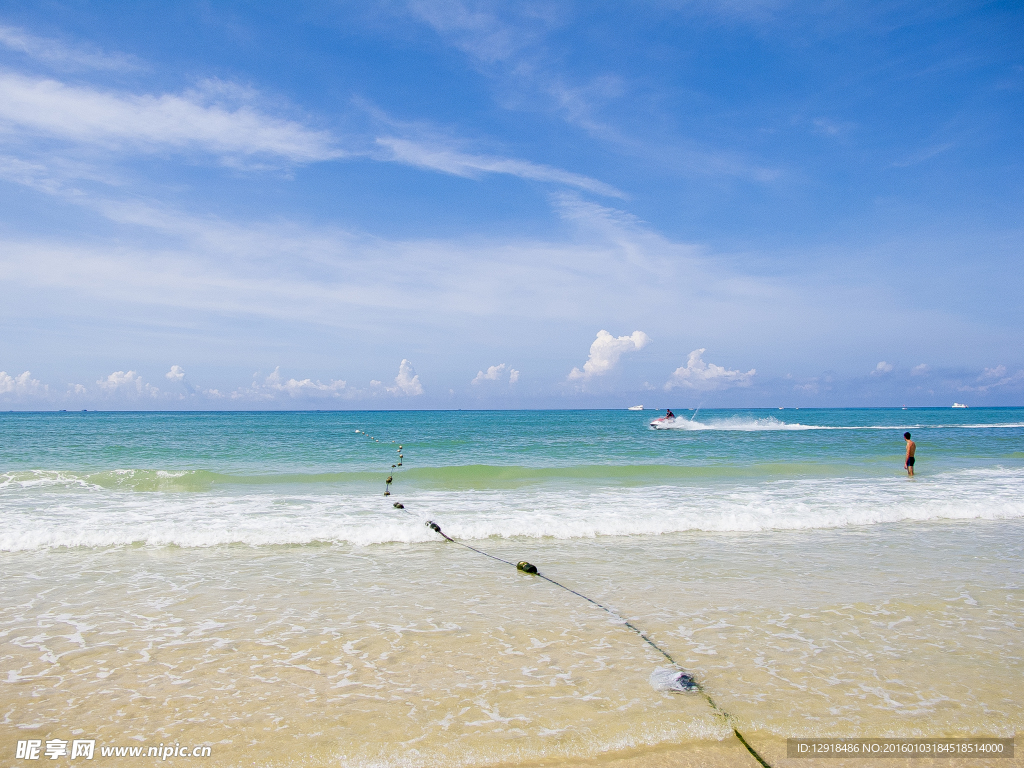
(772, 424)
(167, 480)
(733, 424)
(458, 477)
(264, 517)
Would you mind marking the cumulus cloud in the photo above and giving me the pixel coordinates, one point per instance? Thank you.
(492, 374)
(275, 384)
(407, 382)
(22, 384)
(605, 353)
(177, 373)
(882, 368)
(77, 389)
(128, 382)
(214, 119)
(495, 372)
(920, 370)
(697, 374)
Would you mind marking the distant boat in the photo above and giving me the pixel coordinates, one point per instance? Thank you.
(635, 408)
(959, 405)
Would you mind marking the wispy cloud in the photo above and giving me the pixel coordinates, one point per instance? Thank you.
(64, 55)
(922, 155)
(487, 31)
(203, 120)
(996, 377)
(512, 45)
(827, 127)
(472, 166)
(224, 120)
(882, 368)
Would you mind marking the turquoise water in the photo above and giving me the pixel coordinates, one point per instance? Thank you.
(319, 443)
(195, 479)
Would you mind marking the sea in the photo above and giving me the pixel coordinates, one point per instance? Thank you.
(267, 586)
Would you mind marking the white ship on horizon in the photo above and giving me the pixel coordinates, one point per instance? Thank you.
(959, 405)
(635, 408)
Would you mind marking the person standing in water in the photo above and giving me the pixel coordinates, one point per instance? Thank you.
(911, 450)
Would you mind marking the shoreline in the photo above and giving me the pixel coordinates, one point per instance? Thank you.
(430, 654)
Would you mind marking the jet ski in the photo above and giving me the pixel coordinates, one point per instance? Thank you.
(664, 422)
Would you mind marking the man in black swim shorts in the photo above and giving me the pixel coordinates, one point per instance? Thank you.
(911, 449)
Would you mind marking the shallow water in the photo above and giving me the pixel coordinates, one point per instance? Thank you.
(810, 598)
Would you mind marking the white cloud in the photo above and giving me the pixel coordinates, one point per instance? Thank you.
(994, 378)
(512, 43)
(127, 382)
(407, 382)
(55, 52)
(882, 368)
(920, 370)
(275, 383)
(210, 120)
(998, 372)
(495, 372)
(492, 374)
(697, 374)
(605, 353)
(177, 373)
(477, 29)
(77, 389)
(471, 166)
(22, 384)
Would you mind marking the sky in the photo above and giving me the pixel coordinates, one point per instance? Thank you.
(470, 204)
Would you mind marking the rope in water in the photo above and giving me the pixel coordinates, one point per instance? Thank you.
(689, 682)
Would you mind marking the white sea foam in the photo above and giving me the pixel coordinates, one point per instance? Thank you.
(732, 424)
(772, 424)
(101, 517)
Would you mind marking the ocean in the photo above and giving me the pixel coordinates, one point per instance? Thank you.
(240, 581)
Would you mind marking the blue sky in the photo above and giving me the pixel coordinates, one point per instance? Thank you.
(478, 204)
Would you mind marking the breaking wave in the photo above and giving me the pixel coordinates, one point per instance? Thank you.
(39, 517)
(772, 424)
